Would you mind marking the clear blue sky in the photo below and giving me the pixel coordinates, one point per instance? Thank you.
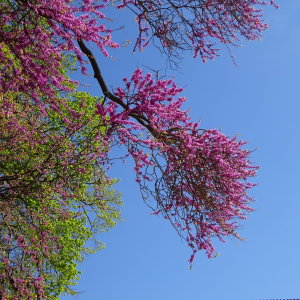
(144, 257)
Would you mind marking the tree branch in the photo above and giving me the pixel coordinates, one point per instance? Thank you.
(104, 88)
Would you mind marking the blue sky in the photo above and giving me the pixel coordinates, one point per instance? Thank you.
(144, 257)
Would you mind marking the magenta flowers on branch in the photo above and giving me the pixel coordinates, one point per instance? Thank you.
(199, 178)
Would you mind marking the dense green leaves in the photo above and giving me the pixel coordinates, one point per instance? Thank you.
(55, 194)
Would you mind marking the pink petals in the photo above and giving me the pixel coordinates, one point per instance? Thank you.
(49, 42)
(198, 26)
(204, 181)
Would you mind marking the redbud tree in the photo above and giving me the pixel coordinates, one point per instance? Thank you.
(198, 178)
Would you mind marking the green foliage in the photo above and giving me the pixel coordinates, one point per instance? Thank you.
(59, 193)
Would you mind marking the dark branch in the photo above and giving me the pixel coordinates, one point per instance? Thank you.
(97, 74)
(104, 88)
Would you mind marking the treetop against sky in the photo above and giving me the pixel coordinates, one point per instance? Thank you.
(198, 178)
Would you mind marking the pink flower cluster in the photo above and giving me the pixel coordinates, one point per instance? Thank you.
(37, 33)
(196, 25)
(200, 176)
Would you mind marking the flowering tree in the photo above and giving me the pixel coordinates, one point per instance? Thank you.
(198, 178)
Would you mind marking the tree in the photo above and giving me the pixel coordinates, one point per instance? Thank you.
(199, 177)
(55, 195)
